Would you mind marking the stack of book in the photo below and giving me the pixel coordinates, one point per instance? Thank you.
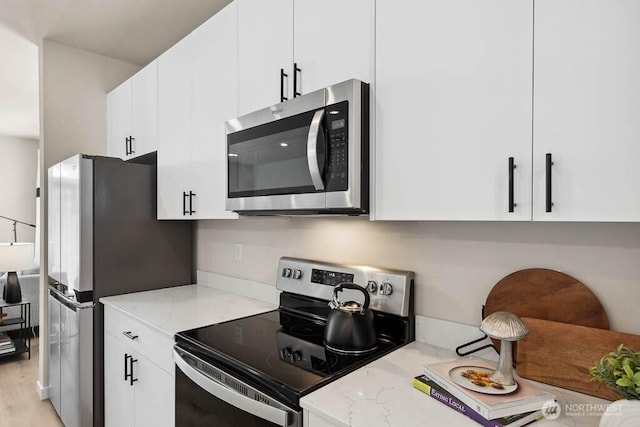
(6, 344)
(502, 408)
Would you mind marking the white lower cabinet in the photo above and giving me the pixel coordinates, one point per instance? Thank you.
(312, 420)
(137, 391)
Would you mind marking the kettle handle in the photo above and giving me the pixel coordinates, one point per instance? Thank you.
(355, 287)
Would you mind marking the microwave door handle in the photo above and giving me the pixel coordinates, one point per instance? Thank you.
(312, 149)
(264, 411)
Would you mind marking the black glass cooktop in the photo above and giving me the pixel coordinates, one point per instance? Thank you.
(278, 350)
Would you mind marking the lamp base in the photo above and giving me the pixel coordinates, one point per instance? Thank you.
(12, 292)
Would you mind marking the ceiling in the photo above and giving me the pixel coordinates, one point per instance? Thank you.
(135, 31)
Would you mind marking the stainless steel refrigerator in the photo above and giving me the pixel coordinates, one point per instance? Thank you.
(103, 239)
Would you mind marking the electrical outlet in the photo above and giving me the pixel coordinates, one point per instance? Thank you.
(238, 252)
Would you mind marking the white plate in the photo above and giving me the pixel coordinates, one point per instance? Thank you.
(455, 375)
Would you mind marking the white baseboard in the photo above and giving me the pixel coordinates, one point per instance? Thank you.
(43, 392)
(449, 335)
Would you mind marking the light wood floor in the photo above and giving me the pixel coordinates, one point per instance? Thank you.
(20, 405)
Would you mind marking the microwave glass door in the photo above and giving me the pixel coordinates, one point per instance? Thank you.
(272, 159)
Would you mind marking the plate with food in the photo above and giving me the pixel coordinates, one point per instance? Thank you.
(476, 378)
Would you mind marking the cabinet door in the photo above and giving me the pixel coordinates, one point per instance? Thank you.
(333, 42)
(144, 104)
(174, 129)
(215, 97)
(265, 38)
(453, 103)
(586, 109)
(120, 120)
(118, 393)
(154, 394)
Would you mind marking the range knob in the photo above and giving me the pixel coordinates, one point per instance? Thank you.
(372, 286)
(286, 272)
(386, 288)
(297, 274)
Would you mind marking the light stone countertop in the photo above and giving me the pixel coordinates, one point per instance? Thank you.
(381, 394)
(181, 308)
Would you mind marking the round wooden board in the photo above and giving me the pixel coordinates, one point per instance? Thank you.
(546, 294)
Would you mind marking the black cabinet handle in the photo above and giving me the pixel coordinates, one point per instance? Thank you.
(131, 150)
(126, 366)
(282, 76)
(191, 196)
(184, 203)
(129, 335)
(296, 70)
(549, 164)
(131, 362)
(126, 146)
(512, 166)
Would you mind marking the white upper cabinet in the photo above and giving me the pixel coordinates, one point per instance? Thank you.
(174, 129)
(453, 104)
(132, 110)
(214, 101)
(293, 47)
(144, 106)
(587, 110)
(332, 42)
(197, 81)
(120, 120)
(265, 47)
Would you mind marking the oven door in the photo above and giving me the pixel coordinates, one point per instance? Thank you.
(207, 396)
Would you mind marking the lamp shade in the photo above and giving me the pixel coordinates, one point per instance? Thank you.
(16, 256)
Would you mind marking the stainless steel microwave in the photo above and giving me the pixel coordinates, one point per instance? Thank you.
(308, 155)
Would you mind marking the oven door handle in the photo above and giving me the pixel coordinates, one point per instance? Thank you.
(229, 395)
(312, 149)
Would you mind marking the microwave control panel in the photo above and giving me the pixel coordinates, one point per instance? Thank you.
(337, 127)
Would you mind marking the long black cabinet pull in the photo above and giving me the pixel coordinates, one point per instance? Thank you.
(549, 164)
(126, 366)
(184, 203)
(131, 141)
(126, 145)
(296, 70)
(512, 166)
(282, 76)
(131, 362)
(191, 196)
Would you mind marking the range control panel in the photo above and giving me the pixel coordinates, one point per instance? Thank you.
(389, 290)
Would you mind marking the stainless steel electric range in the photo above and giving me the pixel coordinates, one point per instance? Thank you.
(254, 370)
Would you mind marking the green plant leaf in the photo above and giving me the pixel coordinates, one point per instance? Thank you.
(624, 382)
(613, 362)
(627, 369)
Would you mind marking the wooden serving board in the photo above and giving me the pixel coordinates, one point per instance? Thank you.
(560, 354)
(546, 294)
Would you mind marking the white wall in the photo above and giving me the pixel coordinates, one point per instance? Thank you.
(18, 170)
(456, 264)
(73, 119)
(74, 104)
